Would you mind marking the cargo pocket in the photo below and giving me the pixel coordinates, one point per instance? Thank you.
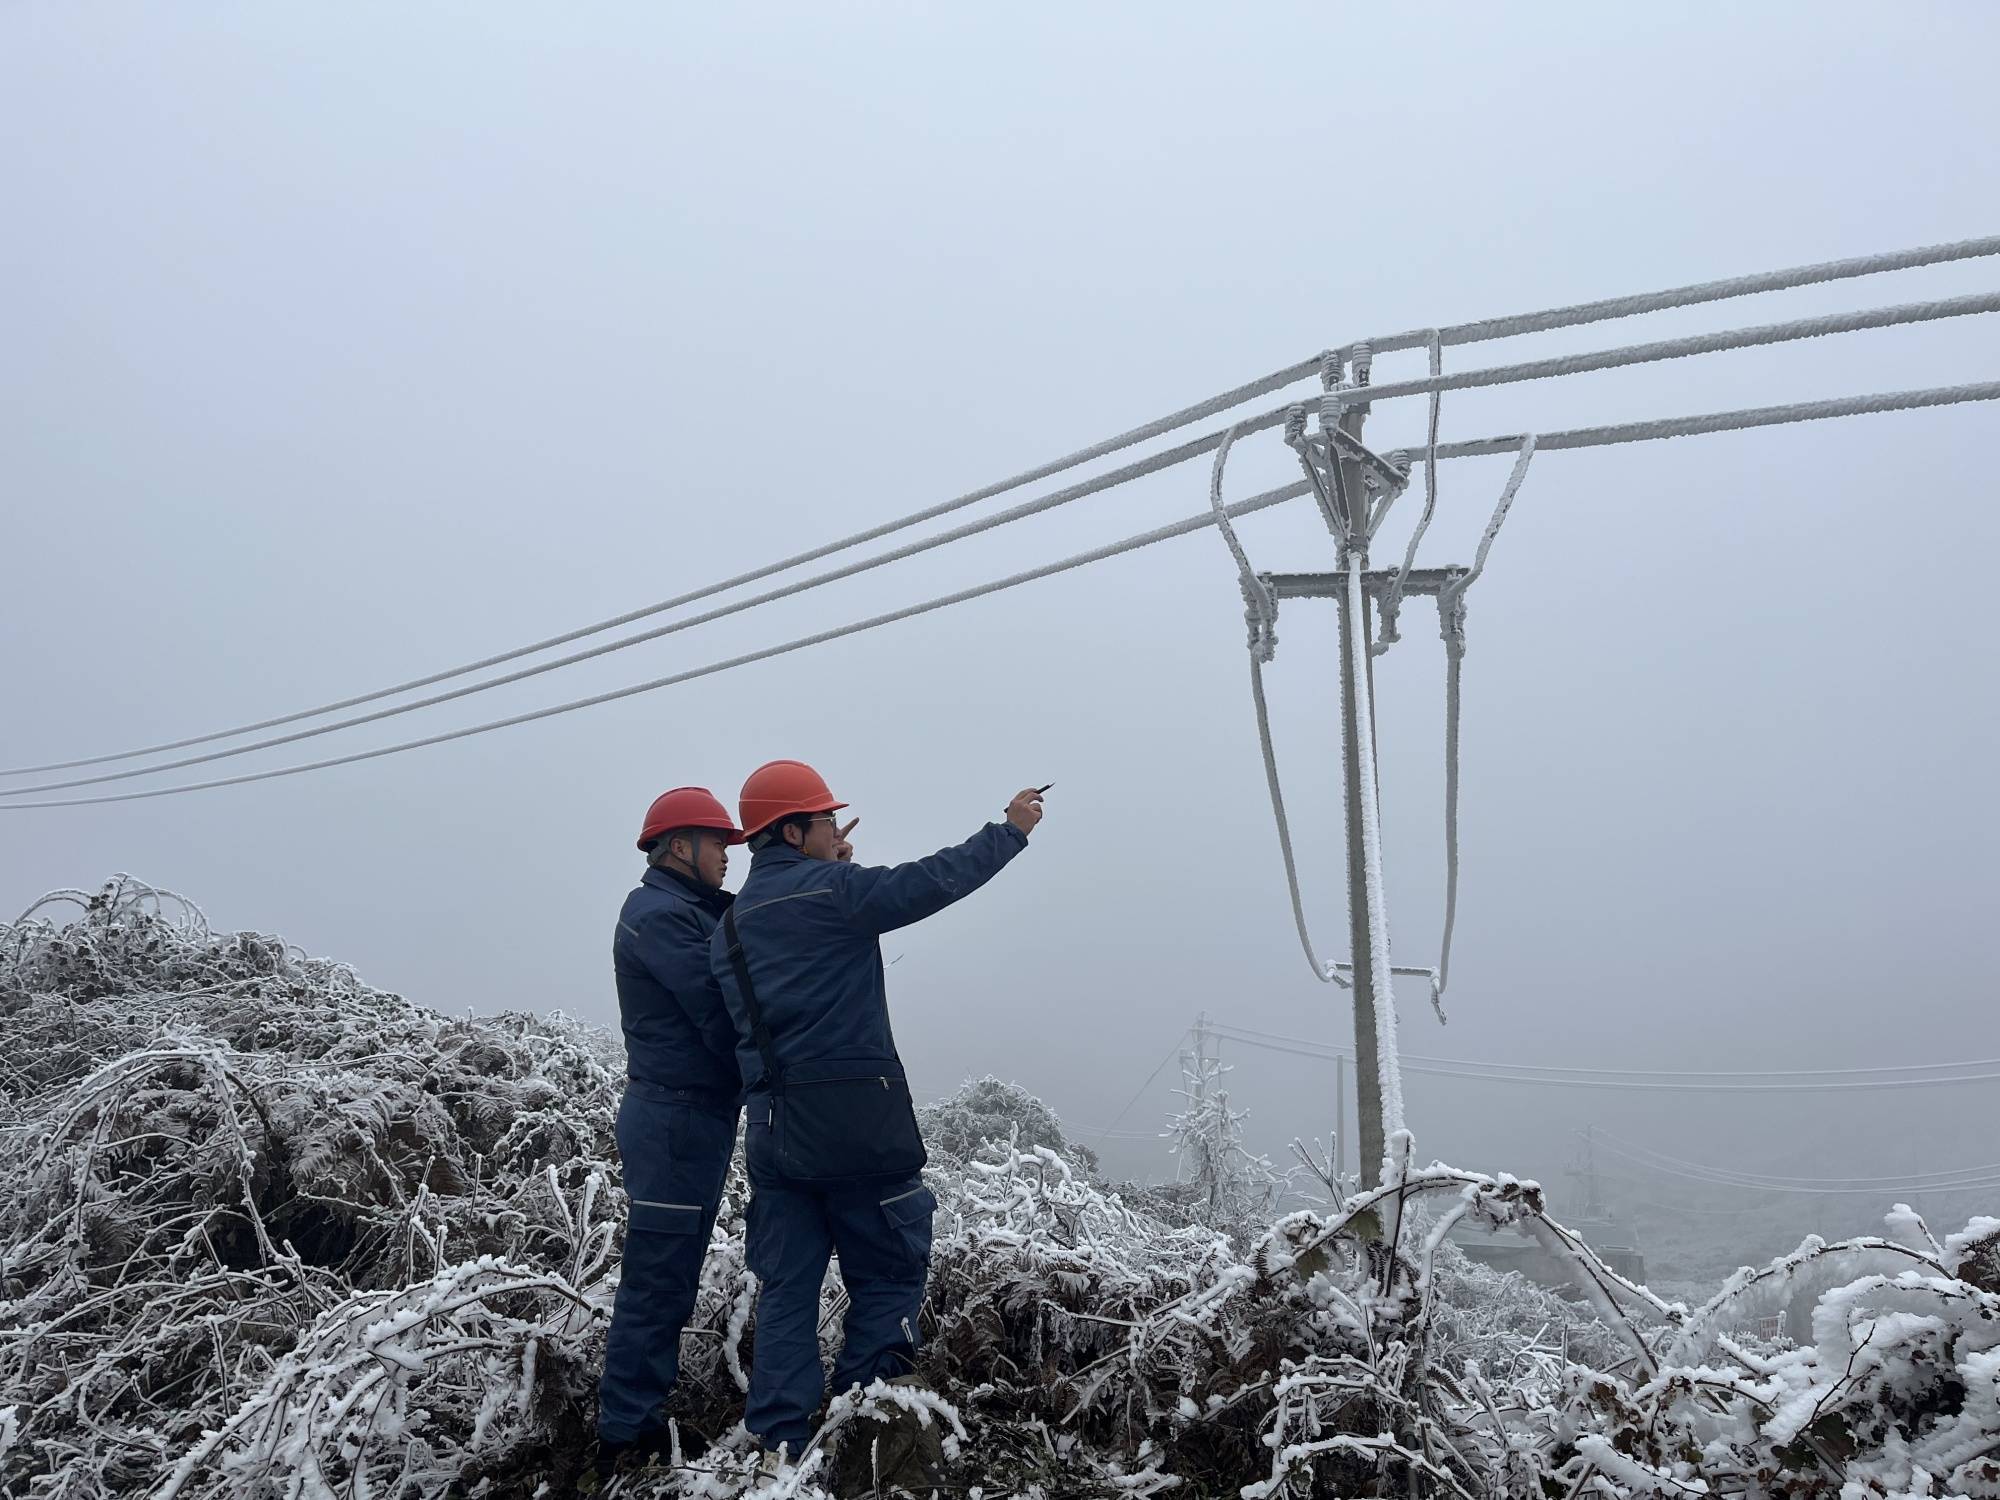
(665, 1218)
(909, 1215)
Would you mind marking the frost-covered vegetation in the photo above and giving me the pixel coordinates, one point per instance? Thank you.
(271, 1232)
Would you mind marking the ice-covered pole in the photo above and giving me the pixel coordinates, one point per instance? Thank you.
(1372, 906)
(1377, 1072)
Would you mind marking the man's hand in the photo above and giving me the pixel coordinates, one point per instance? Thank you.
(842, 850)
(1025, 811)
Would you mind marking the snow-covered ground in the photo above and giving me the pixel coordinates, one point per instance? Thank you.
(273, 1232)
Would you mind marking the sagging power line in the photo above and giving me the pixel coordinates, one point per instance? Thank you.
(1276, 380)
(1963, 1179)
(1627, 432)
(1831, 1080)
(1263, 385)
(1218, 442)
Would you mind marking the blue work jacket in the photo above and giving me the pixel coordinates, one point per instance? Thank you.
(809, 930)
(677, 1032)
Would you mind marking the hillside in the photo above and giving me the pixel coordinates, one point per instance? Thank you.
(274, 1232)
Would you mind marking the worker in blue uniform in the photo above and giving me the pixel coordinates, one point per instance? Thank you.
(677, 1121)
(831, 1141)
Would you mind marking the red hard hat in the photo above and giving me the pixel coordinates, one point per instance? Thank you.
(779, 789)
(687, 807)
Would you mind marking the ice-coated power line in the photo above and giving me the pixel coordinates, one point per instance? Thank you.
(1081, 559)
(1124, 474)
(1262, 386)
(1575, 438)
(1790, 331)
(1684, 296)
(1261, 618)
(1151, 464)
(1741, 420)
(1139, 1092)
(1474, 1070)
(1944, 1178)
(1617, 307)
(1879, 1070)
(1696, 1172)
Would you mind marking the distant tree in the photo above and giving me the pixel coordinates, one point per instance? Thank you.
(1234, 1188)
(985, 1109)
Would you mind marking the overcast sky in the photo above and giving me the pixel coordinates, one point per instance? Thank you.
(351, 343)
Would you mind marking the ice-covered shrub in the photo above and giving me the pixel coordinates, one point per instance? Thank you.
(264, 1218)
(985, 1110)
(272, 1232)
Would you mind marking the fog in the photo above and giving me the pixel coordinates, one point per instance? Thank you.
(347, 345)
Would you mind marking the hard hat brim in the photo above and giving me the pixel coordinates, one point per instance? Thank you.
(816, 805)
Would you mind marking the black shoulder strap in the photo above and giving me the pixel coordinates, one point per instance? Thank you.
(759, 1032)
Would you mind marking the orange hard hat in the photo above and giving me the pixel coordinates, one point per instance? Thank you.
(780, 788)
(687, 807)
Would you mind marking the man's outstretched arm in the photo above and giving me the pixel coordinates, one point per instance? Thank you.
(881, 898)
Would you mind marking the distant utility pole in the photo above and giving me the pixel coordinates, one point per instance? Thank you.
(1339, 1116)
(1197, 1065)
(1193, 1068)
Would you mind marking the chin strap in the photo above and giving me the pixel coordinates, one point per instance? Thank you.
(693, 871)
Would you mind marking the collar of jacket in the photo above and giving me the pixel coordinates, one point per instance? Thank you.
(711, 900)
(777, 854)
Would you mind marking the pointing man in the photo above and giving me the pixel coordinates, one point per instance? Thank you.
(831, 1144)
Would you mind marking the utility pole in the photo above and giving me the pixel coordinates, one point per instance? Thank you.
(1339, 1116)
(1354, 521)
(1347, 477)
(1191, 1069)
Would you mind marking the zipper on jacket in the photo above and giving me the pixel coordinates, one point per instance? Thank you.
(807, 1083)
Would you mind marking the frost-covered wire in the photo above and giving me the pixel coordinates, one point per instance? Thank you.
(1153, 463)
(1904, 1179)
(1693, 294)
(1570, 364)
(1451, 618)
(1729, 421)
(1958, 1179)
(1454, 588)
(1392, 596)
(1575, 438)
(1139, 1093)
(1046, 570)
(1260, 612)
(1792, 330)
(1326, 971)
(1939, 1068)
(1564, 1077)
(1263, 385)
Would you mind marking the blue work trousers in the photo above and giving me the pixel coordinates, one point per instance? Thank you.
(676, 1157)
(882, 1233)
